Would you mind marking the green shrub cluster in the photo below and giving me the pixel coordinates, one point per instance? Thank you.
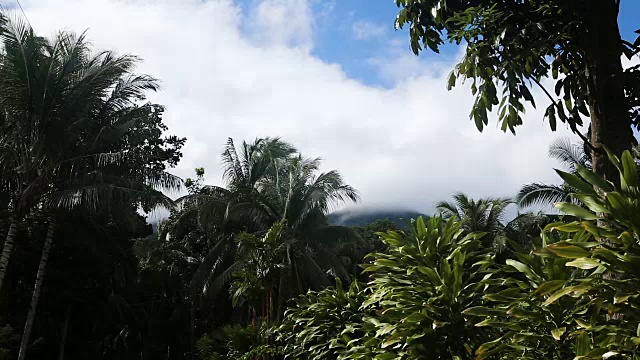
(438, 293)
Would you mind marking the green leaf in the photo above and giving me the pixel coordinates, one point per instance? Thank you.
(551, 114)
(570, 227)
(576, 211)
(613, 159)
(576, 182)
(549, 287)
(594, 204)
(452, 80)
(617, 201)
(568, 251)
(486, 346)
(431, 274)
(620, 298)
(421, 228)
(523, 269)
(557, 333)
(584, 263)
(482, 311)
(527, 94)
(386, 356)
(593, 178)
(563, 292)
(630, 171)
(583, 344)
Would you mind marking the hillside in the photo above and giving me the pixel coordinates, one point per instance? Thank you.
(361, 217)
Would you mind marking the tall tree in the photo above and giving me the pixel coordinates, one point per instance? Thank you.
(21, 51)
(76, 134)
(483, 215)
(268, 183)
(513, 45)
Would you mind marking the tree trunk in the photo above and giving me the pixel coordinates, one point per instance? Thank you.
(7, 249)
(63, 339)
(609, 109)
(608, 106)
(35, 297)
(192, 341)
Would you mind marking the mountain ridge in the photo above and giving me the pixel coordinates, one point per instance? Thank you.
(361, 217)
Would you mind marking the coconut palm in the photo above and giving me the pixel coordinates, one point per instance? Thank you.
(524, 230)
(268, 184)
(21, 51)
(302, 247)
(540, 194)
(483, 215)
(75, 135)
(571, 156)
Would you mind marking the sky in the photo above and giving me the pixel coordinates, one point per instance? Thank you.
(332, 77)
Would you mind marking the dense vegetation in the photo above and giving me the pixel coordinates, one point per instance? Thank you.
(256, 269)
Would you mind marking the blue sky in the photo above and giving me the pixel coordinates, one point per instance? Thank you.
(336, 42)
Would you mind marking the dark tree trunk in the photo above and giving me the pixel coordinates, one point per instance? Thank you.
(608, 106)
(192, 325)
(610, 120)
(7, 249)
(35, 297)
(63, 338)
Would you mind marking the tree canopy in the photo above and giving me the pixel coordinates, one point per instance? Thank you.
(513, 46)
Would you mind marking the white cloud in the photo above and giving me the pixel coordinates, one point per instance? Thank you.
(281, 23)
(367, 30)
(409, 145)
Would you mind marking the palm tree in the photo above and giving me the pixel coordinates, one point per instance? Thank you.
(523, 231)
(22, 49)
(267, 184)
(540, 194)
(74, 133)
(483, 215)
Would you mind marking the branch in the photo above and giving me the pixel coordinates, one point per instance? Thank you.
(572, 126)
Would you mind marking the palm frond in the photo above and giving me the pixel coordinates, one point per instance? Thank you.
(447, 209)
(218, 283)
(206, 267)
(232, 168)
(538, 194)
(103, 196)
(312, 273)
(569, 154)
(164, 181)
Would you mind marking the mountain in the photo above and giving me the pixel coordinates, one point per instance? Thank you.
(361, 217)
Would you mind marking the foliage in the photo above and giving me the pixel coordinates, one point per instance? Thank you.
(512, 45)
(7, 338)
(324, 324)
(572, 156)
(268, 184)
(483, 215)
(369, 242)
(530, 321)
(523, 233)
(419, 290)
(78, 142)
(237, 342)
(609, 221)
